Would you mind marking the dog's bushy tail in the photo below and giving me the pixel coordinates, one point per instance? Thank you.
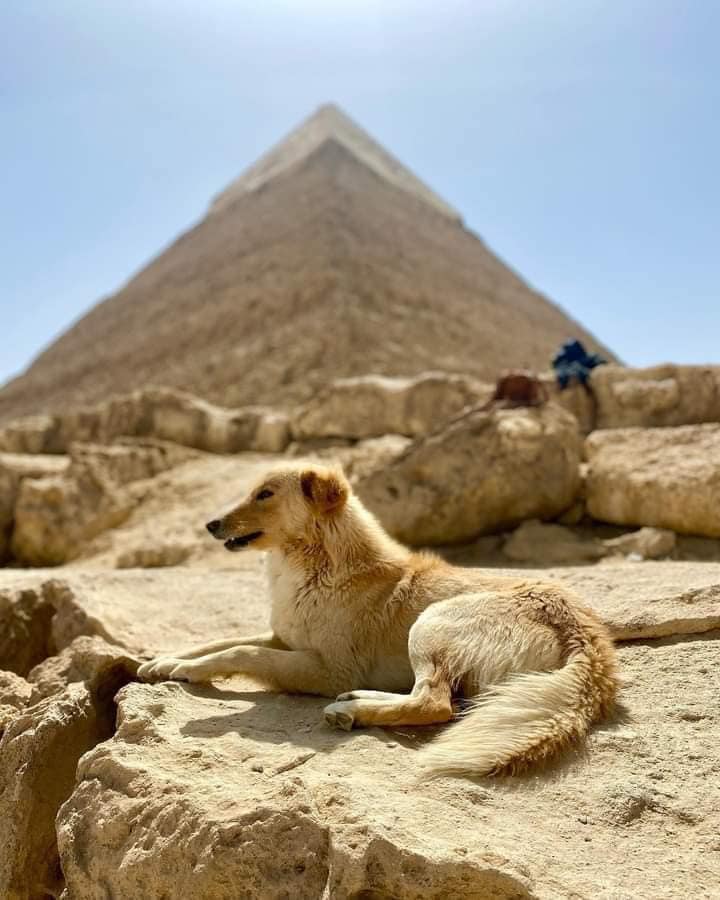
(527, 719)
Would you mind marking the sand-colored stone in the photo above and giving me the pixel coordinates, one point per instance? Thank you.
(666, 395)
(483, 472)
(231, 784)
(646, 543)
(100, 666)
(576, 399)
(641, 600)
(56, 515)
(226, 791)
(14, 467)
(662, 477)
(158, 610)
(39, 751)
(155, 556)
(69, 711)
(15, 693)
(206, 788)
(548, 544)
(372, 405)
(172, 509)
(25, 623)
(160, 413)
(162, 610)
(28, 434)
(359, 459)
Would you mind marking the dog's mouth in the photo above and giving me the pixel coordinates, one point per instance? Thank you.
(237, 543)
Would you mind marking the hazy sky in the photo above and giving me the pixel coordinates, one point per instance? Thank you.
(580, 140)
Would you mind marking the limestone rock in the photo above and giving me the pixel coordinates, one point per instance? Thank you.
(100, 666)
(663, 477)
(14, 467)
(56, 515)
(39, 751)
(15, 695)
(224, 791)
(30, 434)
(64, 709)
(575, 513)
(161, 413)
(373, 405)
(25, 624)
(363, 457)
(154, 556)
(157, 611)
(483, 472)
(647, 543)
(666, 395)
(576, 399)
(184, 419)
(645, 600)
(545, 544)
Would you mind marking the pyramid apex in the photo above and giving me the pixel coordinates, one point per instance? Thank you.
(330, 122)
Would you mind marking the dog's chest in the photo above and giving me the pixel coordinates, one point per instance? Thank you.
(297, 616)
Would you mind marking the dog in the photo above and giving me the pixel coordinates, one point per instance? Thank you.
(395, 636)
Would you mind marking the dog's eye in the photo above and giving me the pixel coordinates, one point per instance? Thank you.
(264, 494)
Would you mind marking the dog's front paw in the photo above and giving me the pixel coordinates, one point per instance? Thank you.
(338, 715)
(160, 668)
(190, 670)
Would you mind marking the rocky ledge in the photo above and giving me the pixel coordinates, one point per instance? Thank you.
(113, 788)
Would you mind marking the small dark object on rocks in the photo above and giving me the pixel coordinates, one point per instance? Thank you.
(517, 388)
(574, 362)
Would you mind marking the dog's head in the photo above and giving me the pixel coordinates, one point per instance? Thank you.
(283, 507)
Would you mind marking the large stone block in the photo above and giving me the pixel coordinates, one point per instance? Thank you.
(485, 471)
(663, 477)
(374, 405)
(660, 396)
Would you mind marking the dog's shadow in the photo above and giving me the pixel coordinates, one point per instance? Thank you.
(296, 723)
(266, 716)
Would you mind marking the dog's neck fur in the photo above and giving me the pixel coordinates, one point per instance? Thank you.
(344, 544)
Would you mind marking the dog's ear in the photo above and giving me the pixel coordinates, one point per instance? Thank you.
(326, 490)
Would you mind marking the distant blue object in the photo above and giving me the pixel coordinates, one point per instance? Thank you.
(574, 362)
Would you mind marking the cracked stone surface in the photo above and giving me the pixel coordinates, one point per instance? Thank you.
(226, 791)
(161, 610)
(230, 791)
(64, 709)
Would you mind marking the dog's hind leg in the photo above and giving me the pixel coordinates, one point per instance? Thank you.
(371, 695)
(428, 702)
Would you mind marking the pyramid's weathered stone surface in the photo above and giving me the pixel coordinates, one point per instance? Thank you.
(329, 123)
(326, 260)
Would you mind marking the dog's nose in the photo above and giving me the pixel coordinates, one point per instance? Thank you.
(213, 526)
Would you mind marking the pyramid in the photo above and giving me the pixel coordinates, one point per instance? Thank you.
(326, 258)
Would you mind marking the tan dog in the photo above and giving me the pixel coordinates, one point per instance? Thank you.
(397, 634)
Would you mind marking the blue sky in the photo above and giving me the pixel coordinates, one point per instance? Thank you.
(580, 140)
